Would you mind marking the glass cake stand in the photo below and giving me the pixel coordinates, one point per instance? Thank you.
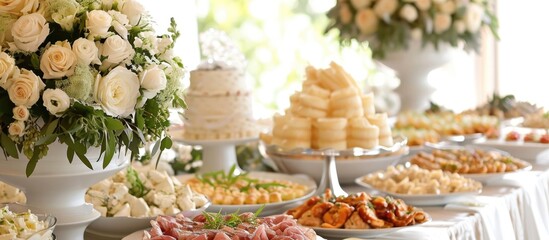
(218, 154)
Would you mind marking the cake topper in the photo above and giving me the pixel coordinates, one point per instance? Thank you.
(220, 51)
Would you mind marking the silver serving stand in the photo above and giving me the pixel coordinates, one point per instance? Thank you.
(329, 179)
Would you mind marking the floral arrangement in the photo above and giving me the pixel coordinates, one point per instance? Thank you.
(85, 73)
(389, 25)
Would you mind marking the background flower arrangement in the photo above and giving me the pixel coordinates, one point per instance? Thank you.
(86, 73)
(389, 25)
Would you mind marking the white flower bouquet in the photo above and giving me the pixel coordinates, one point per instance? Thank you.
(86, 73)
(389, 25)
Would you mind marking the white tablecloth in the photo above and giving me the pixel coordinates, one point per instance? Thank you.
(516, 207)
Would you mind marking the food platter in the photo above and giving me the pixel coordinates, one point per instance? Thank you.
(348, 233)
(423, 199)
(490, 177)
(269, 208)
(531, 152)
(350, 163)
(118, 227)
(138, 235)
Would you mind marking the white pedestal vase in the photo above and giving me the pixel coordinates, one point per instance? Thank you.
(58, 187)
(413, 65)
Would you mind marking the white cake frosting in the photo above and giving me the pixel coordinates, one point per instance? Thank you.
(219, 106)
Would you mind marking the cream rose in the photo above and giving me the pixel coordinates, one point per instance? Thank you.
(17, 128)
(473, 17)
(24, 88)
(366, 21)
(86, 51)
(58, 61)
(442, 22)
(408, 13)
(448, 7)
(120, 23)
(7, 65)
(116, 50)
(29, 31)
(358, 4)
(56, 101)
(153, 80)
(117, 92)
(134, 10)
(423, 5)
(384, 8)
(98, 23)
(20, 113)
(345, 14)
(19, 7)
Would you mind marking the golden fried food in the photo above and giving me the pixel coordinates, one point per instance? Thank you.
(468, 161)
(356, 211)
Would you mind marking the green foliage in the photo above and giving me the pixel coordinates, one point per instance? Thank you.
(92, 116)
(137, 187)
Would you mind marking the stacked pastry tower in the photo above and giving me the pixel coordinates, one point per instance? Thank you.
(219, 106)
(330, 112)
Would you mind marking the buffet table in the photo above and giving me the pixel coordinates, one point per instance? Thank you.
(513, 208)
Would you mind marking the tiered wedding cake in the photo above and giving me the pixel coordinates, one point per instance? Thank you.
(219, 106)
(219, 102)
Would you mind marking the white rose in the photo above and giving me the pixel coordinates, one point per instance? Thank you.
(134, 10)
(408, 12)
(56, 101)
(116, 50)
(120, 23)
(7, 65)
(117, 92)
(16, 128)
(366, 21)
(86, 51)
(448, 7)
(20, 113)
(416, 34)
(18, 7)
(163, 43)
(459, 25)
(98, 23)
(384, 8)
(58, 61)
(358, 4)
(24, 88)
(423, 5)
(442, 22)
(473, 17)
(153, 80)
(29, 31)
(345, 14)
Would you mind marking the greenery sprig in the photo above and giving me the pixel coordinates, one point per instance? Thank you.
(229, 179)
(218, 220)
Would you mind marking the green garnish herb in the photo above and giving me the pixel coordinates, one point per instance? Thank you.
(137, 188)
(218, 220)
(227, 180)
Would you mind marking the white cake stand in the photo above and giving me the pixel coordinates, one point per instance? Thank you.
(218, 154)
